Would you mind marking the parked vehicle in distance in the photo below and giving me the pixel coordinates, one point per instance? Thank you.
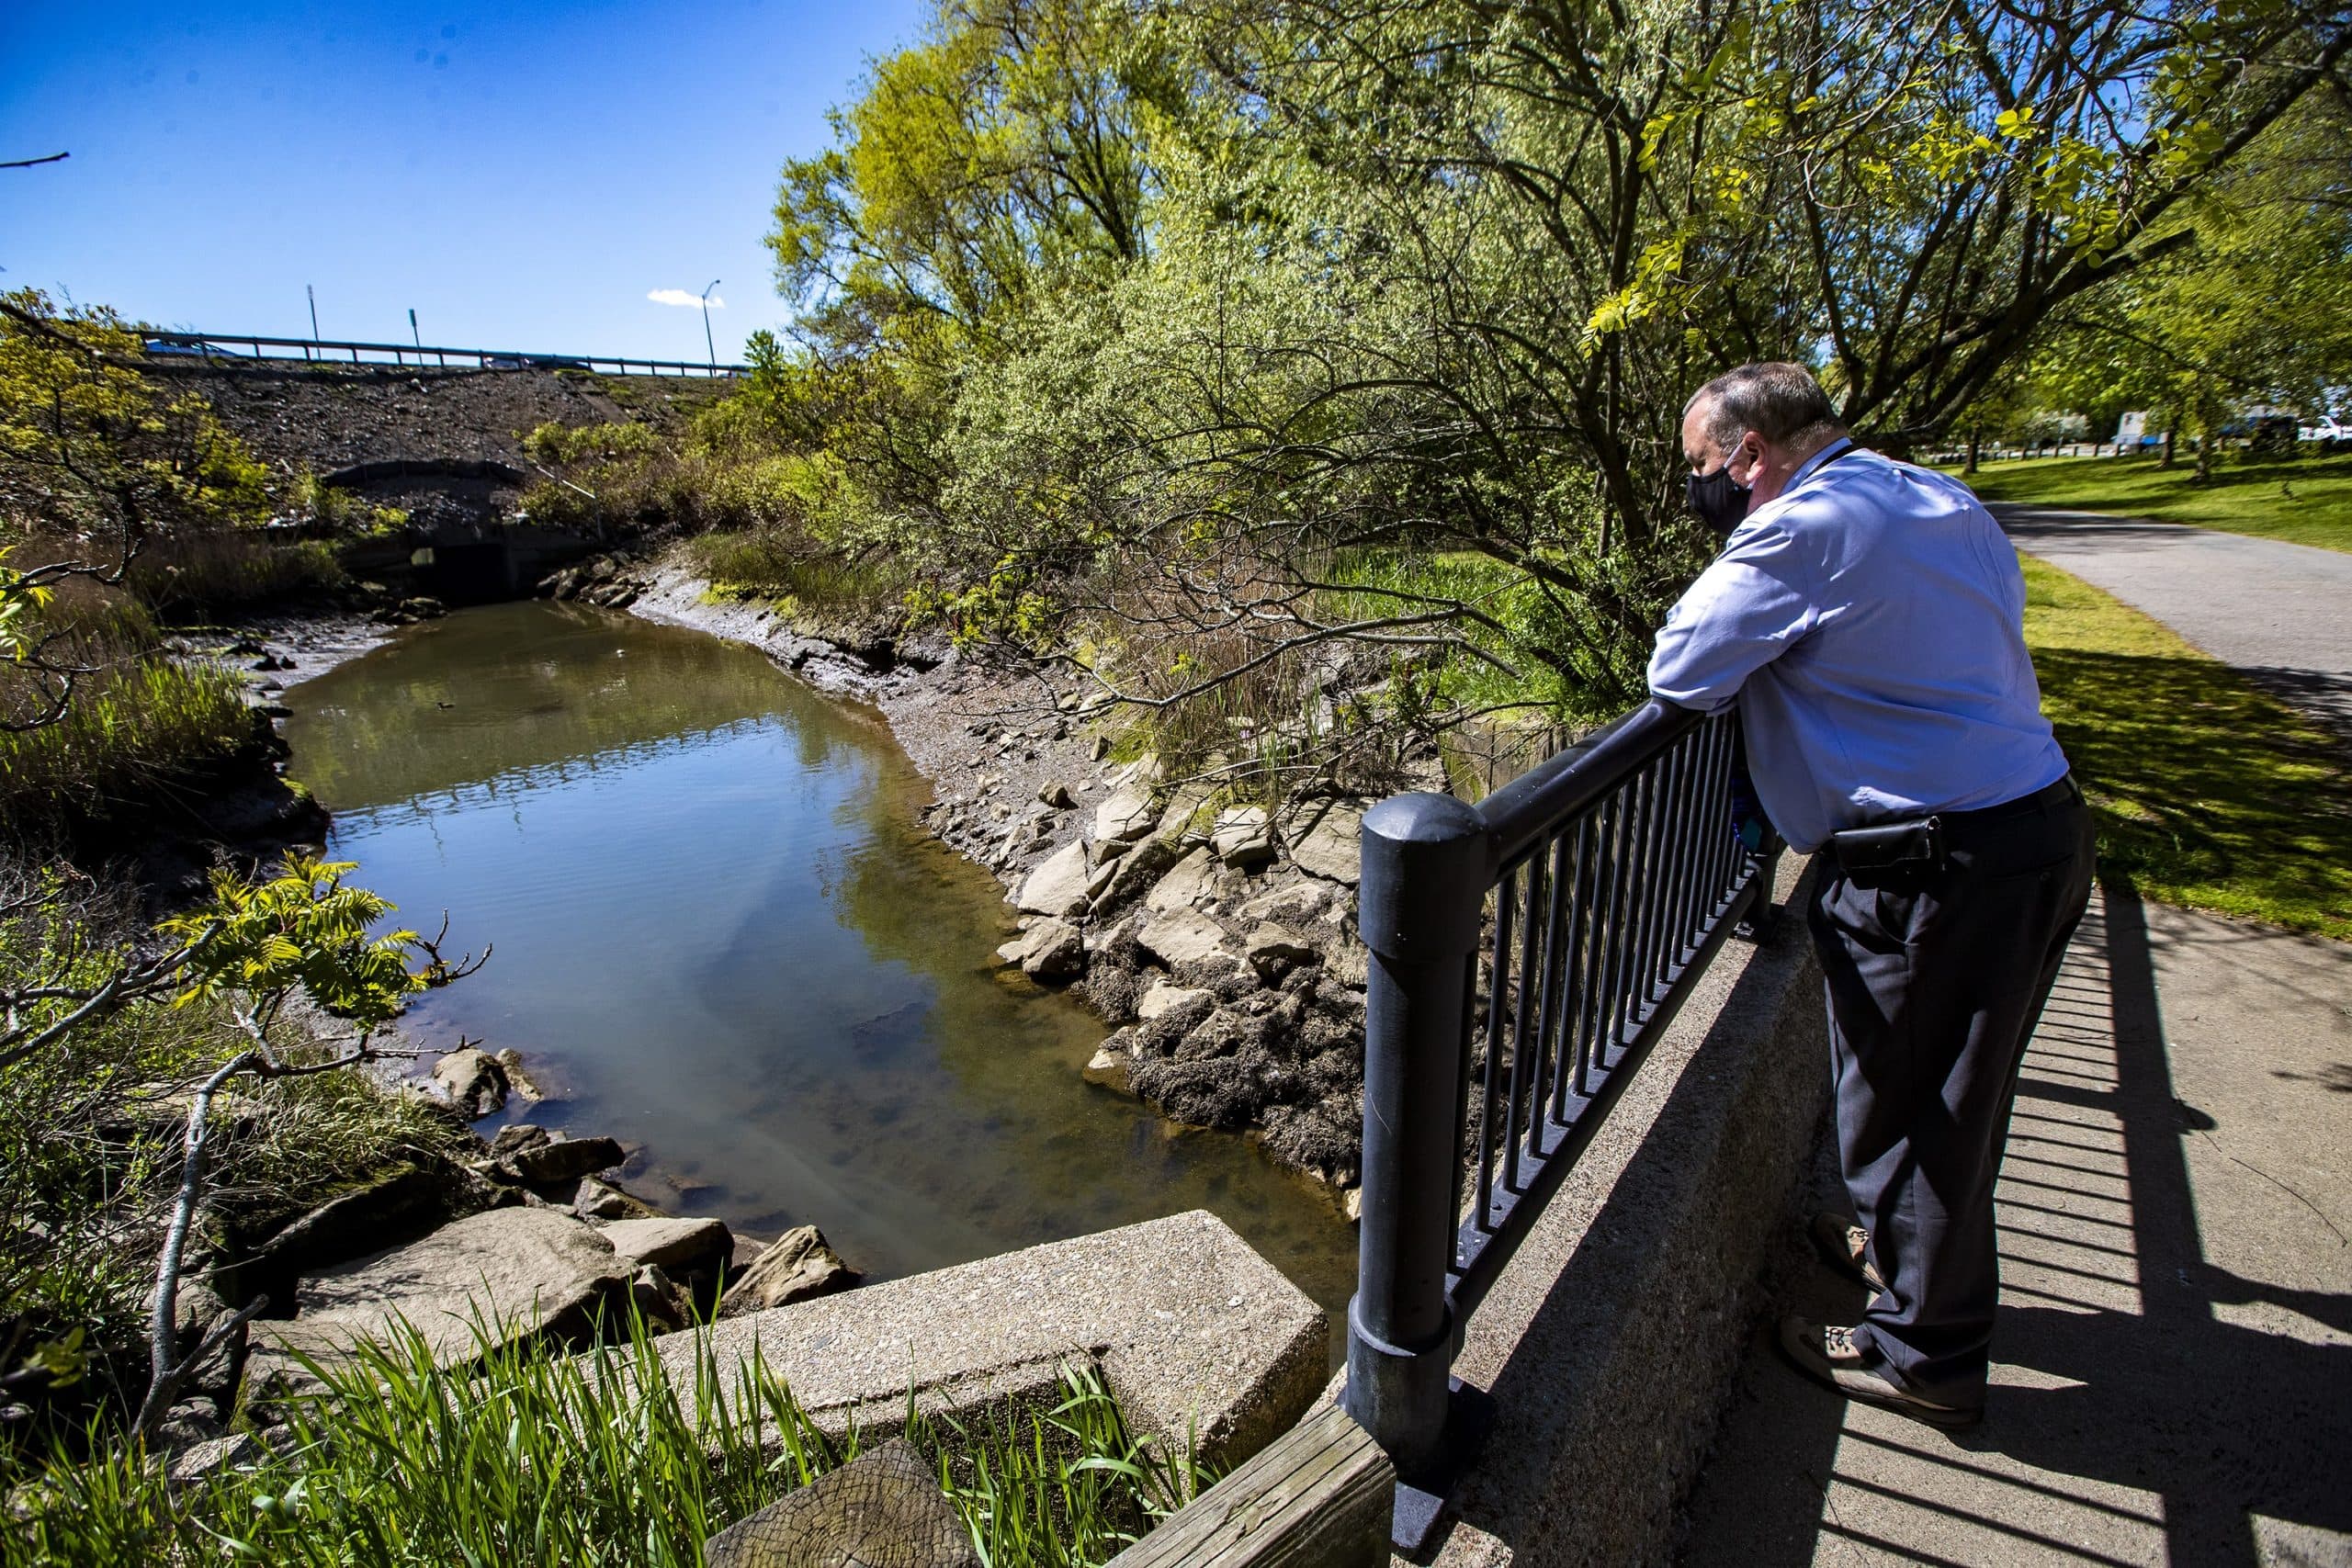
(159, 348)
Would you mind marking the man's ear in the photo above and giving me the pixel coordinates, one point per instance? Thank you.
(1749, 449)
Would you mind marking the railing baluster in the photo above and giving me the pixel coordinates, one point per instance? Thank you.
(1621, 988)
(1684, 827)
(1529, 978)
(1497, 988)
(1547, 1016)
(1661, 876)
(1572, 961)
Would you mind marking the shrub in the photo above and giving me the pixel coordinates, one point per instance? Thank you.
(205, 575)
(90, 1132)
(137, 729)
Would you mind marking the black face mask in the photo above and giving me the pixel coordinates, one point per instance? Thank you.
(1720, 504)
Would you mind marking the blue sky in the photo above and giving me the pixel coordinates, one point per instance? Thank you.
(521, 174)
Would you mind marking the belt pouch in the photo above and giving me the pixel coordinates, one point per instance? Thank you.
(1890, 846)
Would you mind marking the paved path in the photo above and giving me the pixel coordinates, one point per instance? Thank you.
(2174, 1355)
(2281, 612)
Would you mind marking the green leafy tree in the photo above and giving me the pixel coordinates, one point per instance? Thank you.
(2255, 304)
(97, 459)
(1377, 282)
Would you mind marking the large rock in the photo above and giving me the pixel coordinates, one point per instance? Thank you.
(1163, 998)
(675, 1246)
(1127, 815)
(1049, 950)
(1298, 902)
(1324, 838)
(1186, 803)
(1181, 937)
(594, 1199)
(474, 1081)
(559, 1160)
(1271, 945)
(797, 1267)
(1189, 883)
(519, 1273)
(1137, 873)
(1242, 837)
(1058, 886)
(387, 1210)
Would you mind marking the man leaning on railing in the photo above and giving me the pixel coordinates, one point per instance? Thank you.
(1866, 617)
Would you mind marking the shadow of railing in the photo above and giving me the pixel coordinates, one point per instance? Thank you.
(2135, 1415)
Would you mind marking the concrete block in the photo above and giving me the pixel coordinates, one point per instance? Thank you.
(1189, 1326)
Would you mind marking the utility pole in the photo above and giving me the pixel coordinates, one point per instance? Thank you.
(412, 329)
(707, 343)
(312, 294)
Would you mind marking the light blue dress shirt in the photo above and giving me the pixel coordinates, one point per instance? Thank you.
(1870, 622)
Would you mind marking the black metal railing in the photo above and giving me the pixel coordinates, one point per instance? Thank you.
(245, 345)
(1524, 953)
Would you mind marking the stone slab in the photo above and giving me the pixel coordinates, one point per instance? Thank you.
(1191, 1327)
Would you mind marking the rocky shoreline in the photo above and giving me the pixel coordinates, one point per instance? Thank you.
(1217, 943)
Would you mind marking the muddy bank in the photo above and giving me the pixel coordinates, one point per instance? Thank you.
(1216, 942)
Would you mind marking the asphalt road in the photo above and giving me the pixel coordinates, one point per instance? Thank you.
(2281, 612)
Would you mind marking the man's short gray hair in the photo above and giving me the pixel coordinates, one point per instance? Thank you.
(1778, 400)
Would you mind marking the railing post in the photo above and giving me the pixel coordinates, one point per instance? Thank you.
(1425, 872)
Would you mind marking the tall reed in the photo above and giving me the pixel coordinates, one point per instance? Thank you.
(610, 1458)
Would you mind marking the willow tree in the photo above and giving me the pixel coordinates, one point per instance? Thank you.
(1385, 334)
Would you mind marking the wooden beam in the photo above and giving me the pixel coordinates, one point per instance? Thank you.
(1320, 1496)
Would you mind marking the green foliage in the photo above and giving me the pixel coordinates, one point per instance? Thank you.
(624, 1455)
(2252, 301)
(1117, 322)
(92, 449)
(206, 577)
(299, 930)
(138, 728)
(783, 563)
(342, 513)
(90, 1132)
(2207, 793)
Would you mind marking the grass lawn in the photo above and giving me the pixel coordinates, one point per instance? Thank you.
(2306, 502)
(2208, 793)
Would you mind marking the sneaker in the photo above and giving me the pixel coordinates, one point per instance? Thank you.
(1829, 1357)
(1845, 1246)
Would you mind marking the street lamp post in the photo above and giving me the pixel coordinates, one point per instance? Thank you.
(707, 343)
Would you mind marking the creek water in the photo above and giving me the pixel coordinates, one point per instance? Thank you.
(721, 937)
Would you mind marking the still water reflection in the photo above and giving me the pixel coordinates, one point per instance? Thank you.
(721, 929)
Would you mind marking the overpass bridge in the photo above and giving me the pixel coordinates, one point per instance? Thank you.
(253, 346)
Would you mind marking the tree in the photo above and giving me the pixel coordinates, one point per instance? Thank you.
(2255, 306)
(1414, 282)
(96, 460)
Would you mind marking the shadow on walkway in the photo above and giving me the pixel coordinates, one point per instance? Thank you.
(2160, 1395)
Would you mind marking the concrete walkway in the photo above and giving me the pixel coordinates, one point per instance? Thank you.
(2173, 1377)
(2281, 612)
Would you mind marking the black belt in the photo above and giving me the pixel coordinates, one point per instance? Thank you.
(1922, 842)
(2062, 792)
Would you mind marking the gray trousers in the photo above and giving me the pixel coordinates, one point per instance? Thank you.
(1935, 977)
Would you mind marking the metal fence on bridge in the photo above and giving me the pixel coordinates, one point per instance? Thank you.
(245, 345)
(1525, 954)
